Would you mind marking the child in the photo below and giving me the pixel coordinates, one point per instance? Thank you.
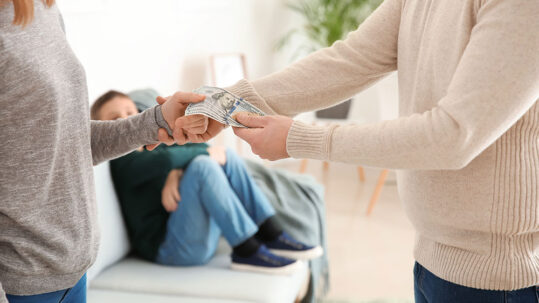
(178, 200)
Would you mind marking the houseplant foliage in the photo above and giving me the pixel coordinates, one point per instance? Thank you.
(324, 22)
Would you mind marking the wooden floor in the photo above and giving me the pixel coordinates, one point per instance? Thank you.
(370, 257)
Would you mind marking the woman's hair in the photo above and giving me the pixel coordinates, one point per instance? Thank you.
(24, 11)
(106, 97)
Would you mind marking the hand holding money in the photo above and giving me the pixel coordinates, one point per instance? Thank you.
(221, 105)
(173, 108)
(182, 136)
(267, 135)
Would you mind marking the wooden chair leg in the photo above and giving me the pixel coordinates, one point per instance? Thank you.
(303, 166)
(377, 190)
(361, 173)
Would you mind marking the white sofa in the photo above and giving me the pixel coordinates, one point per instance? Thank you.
(117, 277)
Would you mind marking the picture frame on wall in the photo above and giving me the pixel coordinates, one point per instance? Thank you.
(227, 69)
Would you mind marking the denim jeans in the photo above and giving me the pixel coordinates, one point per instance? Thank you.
(429, 288)
(76, 294)
(215, 200)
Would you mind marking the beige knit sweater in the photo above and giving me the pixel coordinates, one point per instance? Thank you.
(466, 147)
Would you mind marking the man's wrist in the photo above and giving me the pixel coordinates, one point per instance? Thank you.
(306, 141)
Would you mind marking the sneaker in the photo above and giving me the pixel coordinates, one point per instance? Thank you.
(263, 261)
(288, 247)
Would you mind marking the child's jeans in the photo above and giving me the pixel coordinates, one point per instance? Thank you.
(431, 289)
(215, 200)
(76, 294)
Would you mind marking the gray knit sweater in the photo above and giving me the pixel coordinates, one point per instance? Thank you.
(48, 232)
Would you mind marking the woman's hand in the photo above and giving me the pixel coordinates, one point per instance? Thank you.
(173, 109)
(175, 105)
(218, 153)
(170, 195)
(187, 129)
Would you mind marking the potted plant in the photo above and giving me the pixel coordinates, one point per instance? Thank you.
(327, 21)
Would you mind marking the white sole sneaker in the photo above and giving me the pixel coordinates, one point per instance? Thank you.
(312, 253)
(283, 270)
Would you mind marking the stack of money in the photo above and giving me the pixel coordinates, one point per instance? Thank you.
(221, 105)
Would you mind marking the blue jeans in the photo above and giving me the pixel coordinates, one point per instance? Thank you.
(429, 288)
(75, 294)
(215, 200)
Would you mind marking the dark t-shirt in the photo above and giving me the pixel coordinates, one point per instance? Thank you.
(139, 178)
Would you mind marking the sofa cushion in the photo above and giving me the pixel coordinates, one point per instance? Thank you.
(107, 296)
(214, 280)
(114, 244)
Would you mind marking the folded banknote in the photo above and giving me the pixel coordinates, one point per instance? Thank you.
(221, 105)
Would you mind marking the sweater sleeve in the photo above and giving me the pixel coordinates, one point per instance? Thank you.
(332, 74)
(494, 85)
(111, 139)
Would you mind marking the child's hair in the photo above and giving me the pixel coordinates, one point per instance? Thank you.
(106, 97)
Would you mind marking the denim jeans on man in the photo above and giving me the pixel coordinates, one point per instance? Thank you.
(431, 289)
(75, 294)
(215, 200)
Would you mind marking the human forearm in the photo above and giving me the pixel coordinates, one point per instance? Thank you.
(111, 139)
(332, 74)
(494, 85)
(432, 140)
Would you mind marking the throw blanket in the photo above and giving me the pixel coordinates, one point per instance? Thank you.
(299, 202)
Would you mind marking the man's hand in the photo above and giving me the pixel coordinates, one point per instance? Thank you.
(267, 135)
(170, 195)
(183, 130)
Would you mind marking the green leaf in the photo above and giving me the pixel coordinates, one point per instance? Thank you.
(327, 21)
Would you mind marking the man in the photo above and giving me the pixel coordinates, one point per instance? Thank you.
(466, 146)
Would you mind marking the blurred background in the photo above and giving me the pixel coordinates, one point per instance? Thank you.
(172, 45)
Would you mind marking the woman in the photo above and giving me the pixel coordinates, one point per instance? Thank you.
(465, 148)
(178, 200)
(48, 232)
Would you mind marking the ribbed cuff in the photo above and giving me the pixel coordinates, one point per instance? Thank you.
(309, 141)
(245, 90)
(160, 120)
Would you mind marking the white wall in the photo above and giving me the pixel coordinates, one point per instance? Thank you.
(165, 44)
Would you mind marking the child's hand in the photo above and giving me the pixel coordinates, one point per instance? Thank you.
(170, 195)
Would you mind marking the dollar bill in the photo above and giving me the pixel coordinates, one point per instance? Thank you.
(221, 105)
